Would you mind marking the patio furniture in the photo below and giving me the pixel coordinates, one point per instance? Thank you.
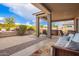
(54, 32)
(70, 32)
(45, 32)
(60, 51)
(67, 46)
(63, 40)
(57, 32)
(60, 32)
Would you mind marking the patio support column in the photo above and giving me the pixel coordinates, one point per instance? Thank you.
(37, 26)
(76, 26)
(49, 19)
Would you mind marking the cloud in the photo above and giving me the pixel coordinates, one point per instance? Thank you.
(1, 18)
(20, 24)
(28, 23)
(17, 23)
(33, 21)
(24, 9)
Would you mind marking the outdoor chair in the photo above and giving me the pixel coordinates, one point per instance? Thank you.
(67, 45)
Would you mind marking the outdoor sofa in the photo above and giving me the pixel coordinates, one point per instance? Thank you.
(67, 45)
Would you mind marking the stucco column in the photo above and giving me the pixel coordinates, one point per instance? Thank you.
(49, 19)
(37, 26)
(76, 25)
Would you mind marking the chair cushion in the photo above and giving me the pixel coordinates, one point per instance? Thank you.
(76, 37)
(71, 36)
(62, 41)
(73, 45)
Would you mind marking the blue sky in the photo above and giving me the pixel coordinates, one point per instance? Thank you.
(21, 12)
(5, 12)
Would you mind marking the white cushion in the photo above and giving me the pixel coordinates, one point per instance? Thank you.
(62, 41)
(73, 45)
(71, 36)
(76, 37)
(67, 43)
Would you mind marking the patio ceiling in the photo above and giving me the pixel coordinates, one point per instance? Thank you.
(60, 11)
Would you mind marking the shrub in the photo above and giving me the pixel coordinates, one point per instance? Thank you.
(0, 28)
(7, 29)
(21, 29)
(31, 28)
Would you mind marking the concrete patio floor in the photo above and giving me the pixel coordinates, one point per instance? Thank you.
(15, 40)
(23, 45)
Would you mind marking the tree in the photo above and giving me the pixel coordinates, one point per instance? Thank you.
(42, 25)
(9, 22)
(54, 25)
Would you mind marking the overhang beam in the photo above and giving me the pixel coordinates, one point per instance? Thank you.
(41, 7)
(42, 15)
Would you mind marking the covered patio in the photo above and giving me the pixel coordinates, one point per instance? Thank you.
(54, 12)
